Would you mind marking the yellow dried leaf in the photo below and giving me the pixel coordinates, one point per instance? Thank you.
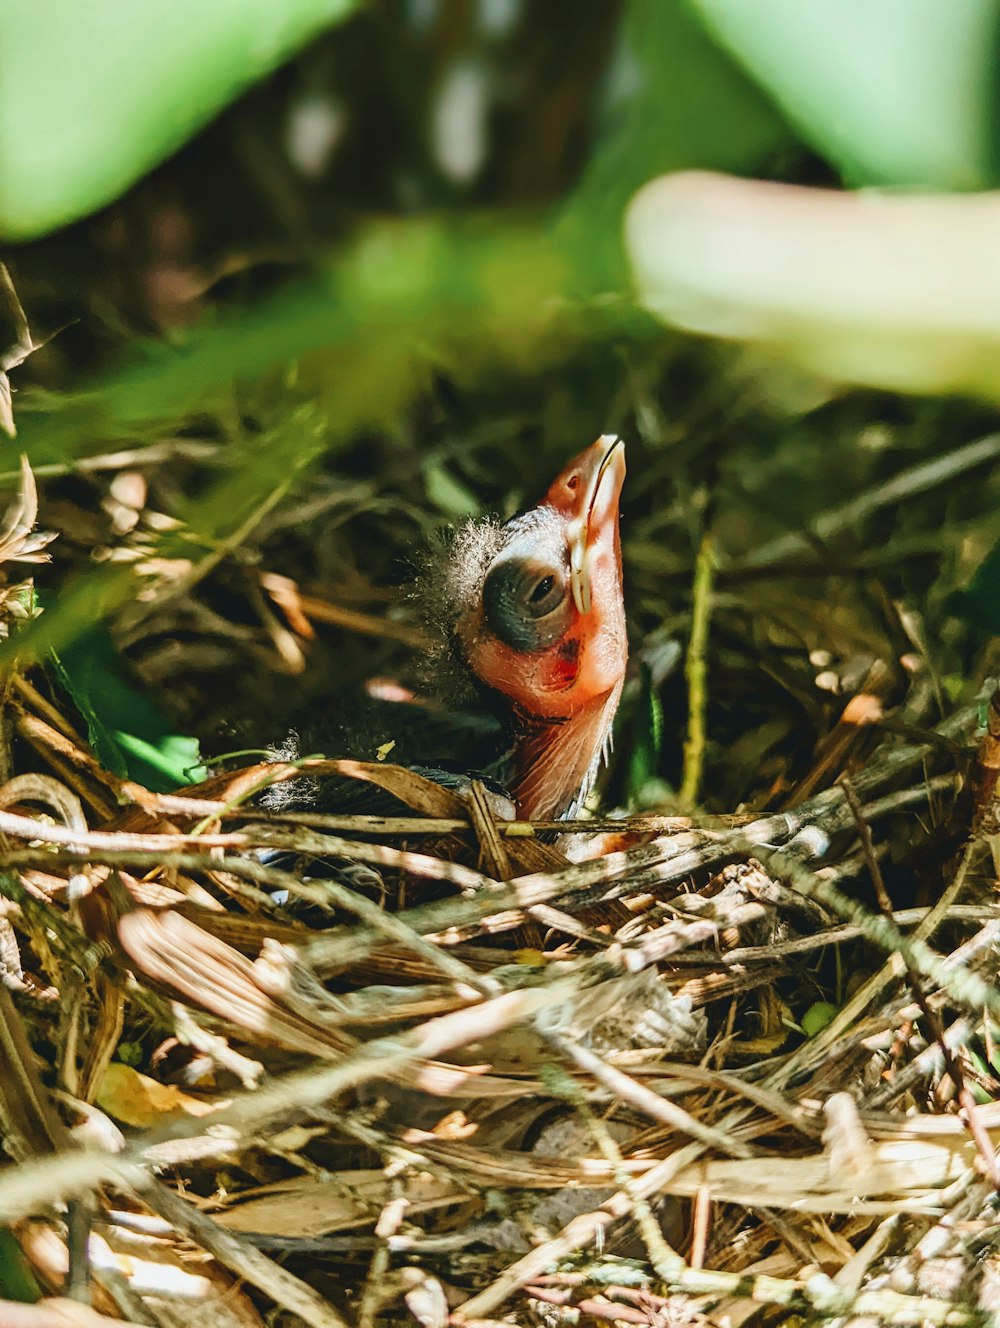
(136, 1099)
(531, 958)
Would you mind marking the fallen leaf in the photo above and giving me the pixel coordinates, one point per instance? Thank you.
(136, 1099)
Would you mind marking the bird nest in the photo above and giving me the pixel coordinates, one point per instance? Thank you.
(447, 1066)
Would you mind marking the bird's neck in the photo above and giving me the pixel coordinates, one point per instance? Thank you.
(557, 760)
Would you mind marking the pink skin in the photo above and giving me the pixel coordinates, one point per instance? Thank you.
(565, 696)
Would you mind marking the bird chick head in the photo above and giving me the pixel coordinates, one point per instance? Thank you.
(538, 617)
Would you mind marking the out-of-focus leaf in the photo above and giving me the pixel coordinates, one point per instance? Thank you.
(137, 1100)
(17, 1281)
(979, 601)
(647, 745)
(127, 732)
(366, 328)
(893, 92)
(895, 290)
(673, 102)
(447, 493)
(816, 1018)
(94, 94)
(980, 1093)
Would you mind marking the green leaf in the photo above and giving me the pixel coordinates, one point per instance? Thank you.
(898, 92)
(817, 1017)
(979, 1093)
(979, 602)
(448, 494)
(362, 331)
(673, 102)
(644, 784)
(128, 733)
(893, 290)
(17, 1281)
(94, 94)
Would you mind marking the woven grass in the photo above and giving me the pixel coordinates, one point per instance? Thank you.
(488, 1069)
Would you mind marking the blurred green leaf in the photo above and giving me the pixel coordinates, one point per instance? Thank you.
(896, 92)
(817, 1017)
(17, 1281)
(126, 730)
(979, 602)
(979, 1093)
(893, 290)
(131, 1053)
(447, 493)
(365, 331)
(95, 94)
(674, 101)
(647, 745)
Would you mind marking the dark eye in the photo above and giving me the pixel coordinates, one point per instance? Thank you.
(542, 589)
(525, 605)
(573, 482)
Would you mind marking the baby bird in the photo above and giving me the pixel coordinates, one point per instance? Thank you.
(533, 610)
(528, 621)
